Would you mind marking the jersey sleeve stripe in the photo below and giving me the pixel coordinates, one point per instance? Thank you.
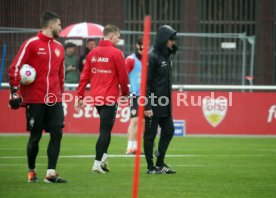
(22, 54)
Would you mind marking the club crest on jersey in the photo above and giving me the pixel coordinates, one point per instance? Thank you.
(133, 112)
(214, 110)
(57, 52)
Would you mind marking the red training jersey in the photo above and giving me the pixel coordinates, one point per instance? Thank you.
(105, 68)
(46, 56)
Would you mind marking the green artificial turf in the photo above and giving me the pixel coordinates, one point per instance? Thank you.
(214, 167)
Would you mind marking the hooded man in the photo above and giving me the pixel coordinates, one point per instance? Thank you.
(159, 109)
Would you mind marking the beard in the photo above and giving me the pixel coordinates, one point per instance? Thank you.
(174, 49)
(55, 33)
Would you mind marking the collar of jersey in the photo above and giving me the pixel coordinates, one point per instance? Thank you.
(43, 37)
(105, 43)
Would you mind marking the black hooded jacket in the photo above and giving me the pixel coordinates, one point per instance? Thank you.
(159, 80)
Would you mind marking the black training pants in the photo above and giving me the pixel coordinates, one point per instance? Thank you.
(107, 118)
(50, 118)
(167, 131)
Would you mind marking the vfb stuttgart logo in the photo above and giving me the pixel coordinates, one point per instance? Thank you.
(214, 110)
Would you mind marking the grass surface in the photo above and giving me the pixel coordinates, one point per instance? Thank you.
(214, 167)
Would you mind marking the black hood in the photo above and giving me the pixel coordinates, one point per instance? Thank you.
(163, 35)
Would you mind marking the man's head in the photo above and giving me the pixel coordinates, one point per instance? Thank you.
(91, 44)
(51, 21)
(166, 38)
(112, 33)
(139, 45)
(70, 48)
(171, 41)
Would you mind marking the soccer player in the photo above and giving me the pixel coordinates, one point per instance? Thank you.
(134, 67)
(43, 97)
(105, 68)
(159, 84)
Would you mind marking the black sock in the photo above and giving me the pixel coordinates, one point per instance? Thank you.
(33, 148)
(54, 147)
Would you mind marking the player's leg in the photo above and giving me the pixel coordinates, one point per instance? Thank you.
(54, 120)
(167, 131)
(151, 125)
(35, 118)
(132, 128)
(107, 118)
(54, 146)
(132, 143)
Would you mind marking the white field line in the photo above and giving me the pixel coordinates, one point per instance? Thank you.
(132, 156)
(125, 135)
(142, 165)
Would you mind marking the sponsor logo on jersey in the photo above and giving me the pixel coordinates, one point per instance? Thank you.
(214, 110)
(102, 59)
(99, 59)
(94, 59)
(100, 71)
(41, 53)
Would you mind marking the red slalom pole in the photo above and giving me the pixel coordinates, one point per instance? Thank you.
(140, 126)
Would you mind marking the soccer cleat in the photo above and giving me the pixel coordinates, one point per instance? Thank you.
(104, 166)
(32, 176)
(54, 179)
(153, 170)
(98, 169)
(130, 152)
(133, 152)
(165, 169)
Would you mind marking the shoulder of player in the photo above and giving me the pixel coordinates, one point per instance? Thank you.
(58, 43)
(153, 56)
(129, 58)
(31, 41)
(117, 52)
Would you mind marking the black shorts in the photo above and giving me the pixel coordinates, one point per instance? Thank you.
(42, 116)
(134, 107)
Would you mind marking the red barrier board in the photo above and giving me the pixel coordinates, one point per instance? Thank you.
(241, 113)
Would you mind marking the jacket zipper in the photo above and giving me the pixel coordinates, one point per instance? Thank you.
(49, 68)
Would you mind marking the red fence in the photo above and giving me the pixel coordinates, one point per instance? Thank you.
(242, 113)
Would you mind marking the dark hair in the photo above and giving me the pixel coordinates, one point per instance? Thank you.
(139, 40)
(46, 17)
(91, 39)
(109, 29)
(69, 44)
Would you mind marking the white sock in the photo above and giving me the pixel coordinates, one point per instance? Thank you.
(134, 145)
(104, 157)
(51, 172)
(129, 145)
(96, 164)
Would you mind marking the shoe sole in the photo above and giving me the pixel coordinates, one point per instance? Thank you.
(32, 181)
(96, 171)
(47, 181)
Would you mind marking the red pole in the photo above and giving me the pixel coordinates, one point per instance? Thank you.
(140, 126)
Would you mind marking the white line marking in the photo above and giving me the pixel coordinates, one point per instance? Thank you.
(132, 156)
(113, 164)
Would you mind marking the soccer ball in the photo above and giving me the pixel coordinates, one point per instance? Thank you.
(27, 74)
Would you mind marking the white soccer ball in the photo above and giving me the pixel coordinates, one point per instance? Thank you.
(27, 74)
